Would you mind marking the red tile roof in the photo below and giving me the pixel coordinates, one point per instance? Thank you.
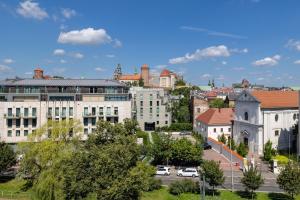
(134, 77)
(165, 72)
(216, 116)
(277, 99)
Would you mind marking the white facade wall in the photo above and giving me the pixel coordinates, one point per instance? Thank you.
(213, 131)
(124, 111)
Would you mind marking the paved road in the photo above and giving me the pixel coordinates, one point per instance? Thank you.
(269, 183)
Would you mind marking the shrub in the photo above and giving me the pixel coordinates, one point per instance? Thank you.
(184, 186)
(242, 150)
(269, 152)
(222, 138)
(154, 184)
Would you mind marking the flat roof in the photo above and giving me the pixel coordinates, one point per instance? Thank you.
(61, 82)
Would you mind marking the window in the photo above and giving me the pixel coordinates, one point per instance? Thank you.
(9, 111)
(108, 111)
(85, 121)
(93, 111)
(18, 112)
(246, 116)
(215, 130)
(49, 112)
(64, 112)
(141, 112)
(9, 133)
(18, 122)
(25, 132)
(101, 111)
(33, 112)
(141, 103)
(33, 122)
(86, 131)
(86, 110)
(116, 112)
(221, 130)
(229, 129)
(277, 133)
(157, 122)
(150, 103)
(198, 110)
(93, 130)
(26, 112)
(151, 110)
(56, 112)
(294, 116)
(276, 118)
(25, 122)
(157, 103)
(18, 133)
(71, 111)
(166, 122)
(93, 121)
(9, 123)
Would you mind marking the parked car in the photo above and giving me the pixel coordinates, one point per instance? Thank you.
(163, 171)
(206, 146)
(191, 172)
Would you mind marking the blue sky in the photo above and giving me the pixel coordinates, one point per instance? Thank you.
(225, 40)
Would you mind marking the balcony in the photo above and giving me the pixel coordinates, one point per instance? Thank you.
(89, 114)
(30, 115)
(12, 116)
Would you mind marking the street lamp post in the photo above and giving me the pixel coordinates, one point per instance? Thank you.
(231, 138)
(202, 187)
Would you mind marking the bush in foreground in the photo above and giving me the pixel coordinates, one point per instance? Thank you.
(184, 186)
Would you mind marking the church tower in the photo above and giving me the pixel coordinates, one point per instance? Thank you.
(118, 72)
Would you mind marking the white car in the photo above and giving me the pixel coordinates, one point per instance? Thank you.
(163, 171)
(191, 172)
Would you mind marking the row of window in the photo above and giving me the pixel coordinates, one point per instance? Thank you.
(108, 111)
(63, 111)
(221, 130)
(18, 111)
(150, 103)
(17, 133)
(276, 118)
(9, 122)
(93, 120)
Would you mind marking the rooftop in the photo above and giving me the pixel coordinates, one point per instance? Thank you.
(134, 77)
(216, 116)
(277, 99)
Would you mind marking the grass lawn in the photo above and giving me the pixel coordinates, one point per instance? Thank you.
(163, 194)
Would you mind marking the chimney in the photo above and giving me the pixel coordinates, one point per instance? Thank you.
(38, 73)
(145, 74)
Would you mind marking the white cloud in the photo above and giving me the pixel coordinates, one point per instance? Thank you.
(160, 66)
(213, 33)
(77, 55)
(4, 68)
(117, 43)
(297, 62)
(31, 9)
(99, 69)
(110, 55)
(260, 78)
(267, 61)
(205, 76)
(68, 13)
(293, 44)
(220, 77)
(88, 36)
(245, 50)
(63, 61)
(59, 52)
(28, 73)
(8, 61)
(209, 52)
(224, 63)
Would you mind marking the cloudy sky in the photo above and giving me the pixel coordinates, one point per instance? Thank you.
(225, 40)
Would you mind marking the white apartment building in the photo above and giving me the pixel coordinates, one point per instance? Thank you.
(26, 104)
(167, 79)
(266, 115)
(214, 122)
(150, 107)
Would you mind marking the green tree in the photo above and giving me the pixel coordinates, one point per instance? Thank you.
(213, 173)
(242, 149)
(269, 152)
(48, 149)
(231, 144)
(131, 126)
(217, 103)
(252, 180)
(7, 158)
(141, 82)
(222, 139)
(289, 179)
(185, 153)
(180, 82)
(161, 150)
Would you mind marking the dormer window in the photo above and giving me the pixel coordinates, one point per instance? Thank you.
(246, 116)
(276, 117)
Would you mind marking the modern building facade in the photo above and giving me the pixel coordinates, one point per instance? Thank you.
(26, 104)
(150, 107)
(266, 115)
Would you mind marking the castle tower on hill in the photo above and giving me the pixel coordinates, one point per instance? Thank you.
(145, 74)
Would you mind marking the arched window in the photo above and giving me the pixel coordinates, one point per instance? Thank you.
(276, 117)
(246, 116)
(295, 116)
